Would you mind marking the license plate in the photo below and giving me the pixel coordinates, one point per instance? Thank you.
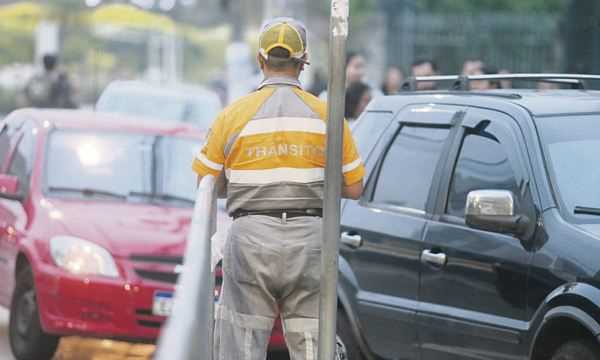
(163, 303)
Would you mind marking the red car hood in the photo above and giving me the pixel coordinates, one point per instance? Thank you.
(122, 228)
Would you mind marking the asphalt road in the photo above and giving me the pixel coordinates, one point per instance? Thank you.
(74, 348)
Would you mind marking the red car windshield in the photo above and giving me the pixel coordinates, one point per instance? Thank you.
(122, 166)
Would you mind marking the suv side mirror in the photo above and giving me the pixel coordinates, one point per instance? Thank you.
(494, 210)
(9, 187)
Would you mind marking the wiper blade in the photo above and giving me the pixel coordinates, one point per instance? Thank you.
(163, 197)
(587, 210)
(88, 192)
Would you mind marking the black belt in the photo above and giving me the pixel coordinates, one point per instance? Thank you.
(281, 214)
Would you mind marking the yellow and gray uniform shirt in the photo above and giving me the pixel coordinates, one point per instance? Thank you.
(271, 145)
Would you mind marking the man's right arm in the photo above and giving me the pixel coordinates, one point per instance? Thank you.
(211, 158)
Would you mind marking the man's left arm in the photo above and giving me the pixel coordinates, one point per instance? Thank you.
(352, 167)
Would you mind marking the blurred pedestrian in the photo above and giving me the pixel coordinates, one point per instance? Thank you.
(50, 88)
(319, 83)
(356, 70)
(271, 146)
(505, 84)
(356, 67)
(471, 67)
(392, 81)
(424, 67)
(358, 96)
(484, 84)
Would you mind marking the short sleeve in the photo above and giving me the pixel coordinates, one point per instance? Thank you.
(211, 158)
(353, 168)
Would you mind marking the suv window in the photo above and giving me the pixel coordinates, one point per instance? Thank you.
(369, 129)
(406, 172)
(483, 164)
(22, 160)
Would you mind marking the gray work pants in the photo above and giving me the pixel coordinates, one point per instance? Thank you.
(270, 267)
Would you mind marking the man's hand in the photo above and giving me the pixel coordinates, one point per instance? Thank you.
(353, 191)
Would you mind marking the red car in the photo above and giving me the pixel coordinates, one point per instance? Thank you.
(94, 213)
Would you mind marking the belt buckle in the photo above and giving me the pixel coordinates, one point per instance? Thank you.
(284, 217)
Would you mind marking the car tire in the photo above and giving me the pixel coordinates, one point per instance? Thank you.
(578, 350)
(346, 337)
(27, 339)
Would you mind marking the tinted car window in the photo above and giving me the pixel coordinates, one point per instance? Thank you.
(483, 164)
(368, 130)
(406, 173)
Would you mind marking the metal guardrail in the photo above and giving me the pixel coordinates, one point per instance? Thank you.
(188, 333)
(462, 82)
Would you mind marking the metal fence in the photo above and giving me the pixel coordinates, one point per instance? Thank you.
(518, 43)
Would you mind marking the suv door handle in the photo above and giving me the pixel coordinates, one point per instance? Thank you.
(437, 259)
(353, 240)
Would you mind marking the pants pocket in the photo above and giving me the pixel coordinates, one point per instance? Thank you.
(241, 260)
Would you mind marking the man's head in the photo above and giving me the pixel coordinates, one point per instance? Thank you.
(282, 47)
(424, 67)
(50, 61)
(356, 67)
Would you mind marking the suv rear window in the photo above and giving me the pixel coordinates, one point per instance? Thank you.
(406, 173)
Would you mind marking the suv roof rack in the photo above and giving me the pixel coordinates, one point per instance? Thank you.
(462, 82)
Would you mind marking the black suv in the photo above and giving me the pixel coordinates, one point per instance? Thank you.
(478, 234)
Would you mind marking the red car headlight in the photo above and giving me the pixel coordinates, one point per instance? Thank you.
(82, 257)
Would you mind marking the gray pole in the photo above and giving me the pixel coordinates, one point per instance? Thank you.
(333, 179)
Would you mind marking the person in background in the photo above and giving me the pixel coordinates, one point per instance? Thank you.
(424, 67)
(356, 68)
(50, 88)
(483, 84)
(358, 96)
(470, 67)
(392, 81)
(505, 84)
(319, 83)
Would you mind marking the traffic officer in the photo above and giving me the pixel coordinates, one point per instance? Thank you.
(271, 146)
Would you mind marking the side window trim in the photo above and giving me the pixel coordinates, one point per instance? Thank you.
(390, 135)
(367, 198)
(21, 135)
(507, 134)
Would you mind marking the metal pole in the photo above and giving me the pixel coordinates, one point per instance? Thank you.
(188, 334)
(333, 179)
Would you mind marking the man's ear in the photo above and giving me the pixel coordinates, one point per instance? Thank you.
(260, 61)
(305, 58)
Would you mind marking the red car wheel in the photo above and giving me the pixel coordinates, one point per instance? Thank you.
(27, 339)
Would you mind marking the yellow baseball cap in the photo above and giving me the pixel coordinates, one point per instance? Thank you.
(286, 33)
